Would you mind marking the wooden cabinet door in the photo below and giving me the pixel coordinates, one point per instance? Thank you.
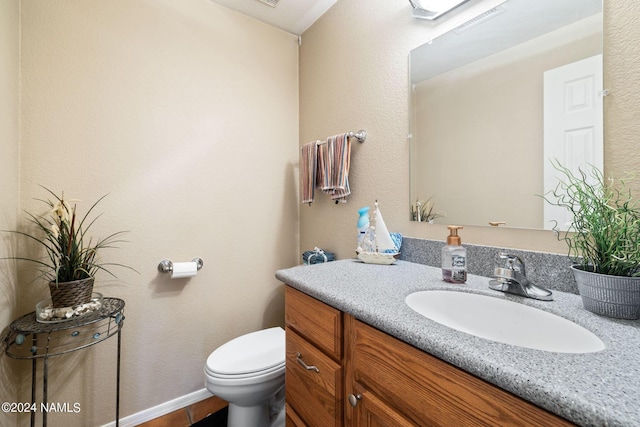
(293, 419)
(397, 381)
(371, 411)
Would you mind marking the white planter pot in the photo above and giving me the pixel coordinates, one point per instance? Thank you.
(612, 296)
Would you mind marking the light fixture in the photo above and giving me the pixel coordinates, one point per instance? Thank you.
(431, 9)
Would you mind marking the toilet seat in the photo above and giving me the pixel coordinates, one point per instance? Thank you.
(276, 368)
(251, 355)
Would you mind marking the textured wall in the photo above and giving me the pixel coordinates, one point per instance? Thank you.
(353, 74)
(151, 101)
(622, 78)
(186, 113)
(9, 110)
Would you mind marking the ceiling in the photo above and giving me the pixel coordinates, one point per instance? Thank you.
(293, 16)
(516, 22)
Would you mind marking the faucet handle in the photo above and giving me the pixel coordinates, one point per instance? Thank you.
(512, 279)
(513, 262)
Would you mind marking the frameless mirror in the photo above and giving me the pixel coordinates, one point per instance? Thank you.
(493, 100)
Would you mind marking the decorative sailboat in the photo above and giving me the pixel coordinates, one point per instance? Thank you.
(378, 246)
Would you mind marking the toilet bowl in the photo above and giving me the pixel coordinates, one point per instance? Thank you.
(248, 372)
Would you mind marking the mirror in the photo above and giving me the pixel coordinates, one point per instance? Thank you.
(480, 116)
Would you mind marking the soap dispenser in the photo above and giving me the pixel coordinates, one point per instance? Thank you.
(454, 258)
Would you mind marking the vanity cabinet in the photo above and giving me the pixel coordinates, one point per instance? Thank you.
(314, 373)
(366, 377)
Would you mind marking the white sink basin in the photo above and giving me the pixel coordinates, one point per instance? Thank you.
(504, 321)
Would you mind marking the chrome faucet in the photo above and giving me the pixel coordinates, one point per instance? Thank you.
(512, 279)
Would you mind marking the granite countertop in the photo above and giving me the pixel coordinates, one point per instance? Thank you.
(592, 389)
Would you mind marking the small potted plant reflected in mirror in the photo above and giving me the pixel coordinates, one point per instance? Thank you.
(68, 258)
(423, 211)
(603, 238)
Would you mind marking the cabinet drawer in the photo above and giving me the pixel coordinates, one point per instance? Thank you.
(317, 322)
(291, 418)
(315, 393)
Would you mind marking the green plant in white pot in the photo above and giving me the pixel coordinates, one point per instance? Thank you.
(603, 238)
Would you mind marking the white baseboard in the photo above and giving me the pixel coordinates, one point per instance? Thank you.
(162, 409)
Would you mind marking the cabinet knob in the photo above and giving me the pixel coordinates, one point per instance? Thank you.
(304, 365)
(353, 399)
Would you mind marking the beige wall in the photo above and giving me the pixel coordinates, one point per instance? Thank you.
(353, 74)
(10, 370)
(187, 114)
(622, 78)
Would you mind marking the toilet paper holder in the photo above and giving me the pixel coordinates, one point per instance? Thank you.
(166, 266)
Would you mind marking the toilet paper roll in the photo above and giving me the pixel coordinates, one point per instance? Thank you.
(184, 269)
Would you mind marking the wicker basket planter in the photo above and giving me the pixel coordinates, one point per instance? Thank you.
(612, 296)
(69, 294)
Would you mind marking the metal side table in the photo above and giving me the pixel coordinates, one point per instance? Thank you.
(30, 339)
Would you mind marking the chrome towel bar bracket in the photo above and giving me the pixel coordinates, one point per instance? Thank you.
(361, 135)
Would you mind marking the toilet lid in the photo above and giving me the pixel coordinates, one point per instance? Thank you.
(253, 352)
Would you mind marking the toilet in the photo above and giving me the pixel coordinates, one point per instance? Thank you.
(248, 372)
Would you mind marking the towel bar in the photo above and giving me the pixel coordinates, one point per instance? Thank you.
(361, 136)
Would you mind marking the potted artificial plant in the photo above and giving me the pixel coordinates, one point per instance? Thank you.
(72, 257)
(424, 211)
(603, 238)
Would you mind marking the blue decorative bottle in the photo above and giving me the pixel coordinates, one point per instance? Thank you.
(363, 224)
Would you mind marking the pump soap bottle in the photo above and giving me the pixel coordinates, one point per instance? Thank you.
(454, 258)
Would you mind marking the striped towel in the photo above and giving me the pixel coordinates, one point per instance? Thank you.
(308, 171)
(326, 166)
(334, 160)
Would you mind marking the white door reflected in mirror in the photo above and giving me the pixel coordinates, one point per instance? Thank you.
(573, 128)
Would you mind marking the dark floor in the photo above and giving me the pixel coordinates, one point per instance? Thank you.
(217, 419)
(211, 412)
